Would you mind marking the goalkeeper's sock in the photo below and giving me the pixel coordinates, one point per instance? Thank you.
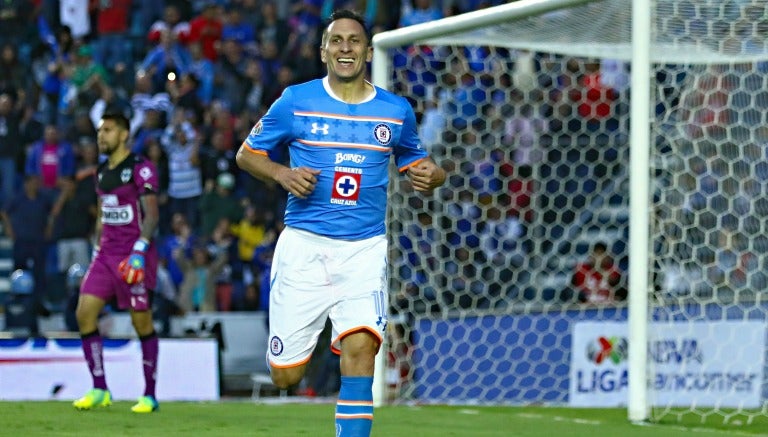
(149, 350)
(354, 409)
(93, 349)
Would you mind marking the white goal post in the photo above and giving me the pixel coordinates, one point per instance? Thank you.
(667, 192)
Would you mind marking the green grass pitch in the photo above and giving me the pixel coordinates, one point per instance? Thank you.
(243, 418)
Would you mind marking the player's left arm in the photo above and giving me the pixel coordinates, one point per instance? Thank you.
(132, 268)
(426, 175)
(150, 206)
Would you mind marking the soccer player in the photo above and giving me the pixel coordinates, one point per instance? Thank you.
(331, 259)
(125, 263)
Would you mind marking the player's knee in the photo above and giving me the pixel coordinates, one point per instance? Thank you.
(285, 378)
(143, 325)
(360, 346)
(86, 317)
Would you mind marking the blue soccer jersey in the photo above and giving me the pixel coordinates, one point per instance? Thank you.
(351, 144)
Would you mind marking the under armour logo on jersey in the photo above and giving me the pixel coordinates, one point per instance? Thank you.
(316, 127)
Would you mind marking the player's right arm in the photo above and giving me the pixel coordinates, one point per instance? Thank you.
(98, 228)
(273, 130)
(299, 181)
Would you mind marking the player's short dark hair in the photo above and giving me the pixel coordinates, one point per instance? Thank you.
(346, 13)
(119, 119)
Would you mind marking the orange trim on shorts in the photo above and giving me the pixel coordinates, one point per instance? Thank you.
(288, 366)
(352, 331)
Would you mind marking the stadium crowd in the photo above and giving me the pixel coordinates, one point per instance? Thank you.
(193, 77)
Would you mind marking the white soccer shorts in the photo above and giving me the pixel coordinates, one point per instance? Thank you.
(315, 277)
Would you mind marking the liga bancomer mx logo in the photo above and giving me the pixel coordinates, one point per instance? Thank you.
(613, 349)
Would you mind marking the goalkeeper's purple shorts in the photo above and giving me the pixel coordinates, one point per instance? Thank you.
(104, 281)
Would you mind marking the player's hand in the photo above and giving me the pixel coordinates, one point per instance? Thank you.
(426, 176)
(299, 181)
(132, 268)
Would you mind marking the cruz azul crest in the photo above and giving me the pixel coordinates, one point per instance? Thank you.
(383, 134)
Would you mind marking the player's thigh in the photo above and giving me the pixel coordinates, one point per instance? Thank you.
(88, 309)
(363, 296)
(98, 284)
(299, 301)
(142, 322)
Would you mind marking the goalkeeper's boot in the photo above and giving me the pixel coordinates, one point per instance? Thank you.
(94, 398)
(146, 404)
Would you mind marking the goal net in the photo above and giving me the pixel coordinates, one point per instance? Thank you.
(531, 118)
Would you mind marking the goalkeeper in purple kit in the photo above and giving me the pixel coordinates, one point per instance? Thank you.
(124, 266)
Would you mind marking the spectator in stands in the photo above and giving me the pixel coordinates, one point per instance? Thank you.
(218, 202)
(172, 22)
(598, 280)
(501, 237)
(433, 119)
(250, 232)
(27, 222)
(185, 183)
(283, 80)
(149, 132)
(145, 99)
(108, 102)
(14, 75)
(305, 19)
(145, 14)
(204, 70)
(238, 30)
(522, 131)
(270, 27)
(74, 217)
(206, 29)
(112, 48)
(11, 147)
(420, 11)
(262, 266)
(218, 157)
(167, 60)
(164, 302)
(271, 60)
(198, 289)
(15, 22)
(184, 94)
(88, 161)
(50, 159)
(232, 82)
(595, 100)
(306, 64)
(181, 239)
(88, 75)
(255, 87)
(81, 128)
(250, 11)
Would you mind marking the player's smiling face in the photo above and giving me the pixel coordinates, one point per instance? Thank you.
(345, 50)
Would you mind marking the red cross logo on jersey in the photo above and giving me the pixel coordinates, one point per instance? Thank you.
(346, 186)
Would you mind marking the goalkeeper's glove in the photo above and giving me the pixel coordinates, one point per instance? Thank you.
(132, 268)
